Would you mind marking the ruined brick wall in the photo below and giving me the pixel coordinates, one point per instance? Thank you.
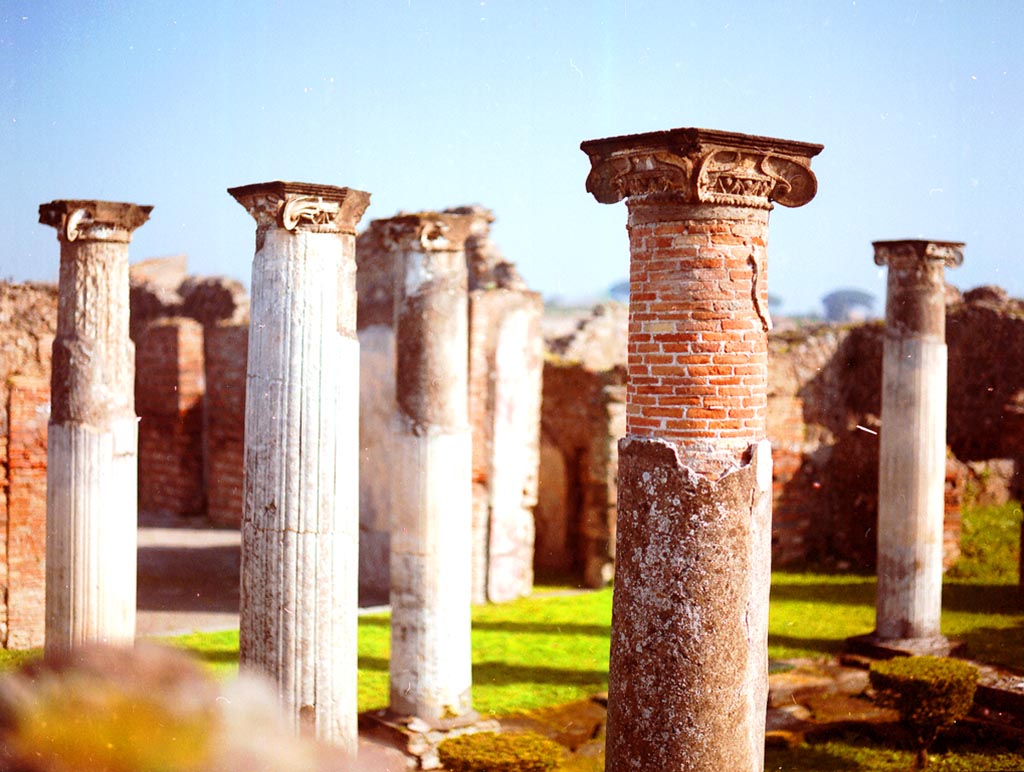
(28, 323)
(169, 388)
(28, 414)
(190, 445)
(582, 419)
(823, 408)
(583, 415)
(985, 335)
(226, 348)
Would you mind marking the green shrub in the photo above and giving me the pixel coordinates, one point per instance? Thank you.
(492, 752)
(929, 692)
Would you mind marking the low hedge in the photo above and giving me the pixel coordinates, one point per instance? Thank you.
(930, 693)
(492, 752)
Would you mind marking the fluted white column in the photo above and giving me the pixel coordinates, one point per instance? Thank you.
(301, 516)
(431, 669)
(92, 468)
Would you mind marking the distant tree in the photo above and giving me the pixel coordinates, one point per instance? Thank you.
(620, 291)
(774, 303)
(848, 305)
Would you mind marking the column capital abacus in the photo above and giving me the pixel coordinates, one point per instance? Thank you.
(919, 250)
(429, 231)
(90, 220)
(303, 206)
(702, 166)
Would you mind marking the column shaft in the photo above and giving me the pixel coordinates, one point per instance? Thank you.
(300, 516)
(688, 670)
(92, 467)
(430, 671)
(912, 461)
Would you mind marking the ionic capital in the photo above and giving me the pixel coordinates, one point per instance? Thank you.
(428, 231)
(78, 220)
(303, 206)
(919, 250)
(702, 166)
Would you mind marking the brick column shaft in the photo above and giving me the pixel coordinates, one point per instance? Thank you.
(92, 458)
(698, 346)
(430, 670)
(912, 453)
(688, 673)
(300, 516)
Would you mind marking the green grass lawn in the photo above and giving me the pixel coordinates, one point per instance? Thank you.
(553, 647)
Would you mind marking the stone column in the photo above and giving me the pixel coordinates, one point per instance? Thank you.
(688, 675)
(431, 504)
(912, 454)
(300, 515)
(92, 466)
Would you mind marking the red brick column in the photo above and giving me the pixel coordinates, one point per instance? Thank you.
(688, 674)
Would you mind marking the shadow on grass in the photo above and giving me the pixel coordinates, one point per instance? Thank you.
(502, 673)
(821, 645)
(807, 757)
(981, 598)
(548, 628)
(545, 628)
(222, 656)
(999, 645)
(856, 592)
(379, 664)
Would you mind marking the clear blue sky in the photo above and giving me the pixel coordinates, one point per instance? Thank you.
(920, 106)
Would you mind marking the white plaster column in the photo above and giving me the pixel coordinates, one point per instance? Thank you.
(912, 455)
(431, 669)
(301, 515)
(92, 452)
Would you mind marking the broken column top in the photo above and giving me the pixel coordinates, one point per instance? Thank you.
(303, 206)
(915, 304)
(702, 166)
(90, 220)
(949, 252)
(429, 231)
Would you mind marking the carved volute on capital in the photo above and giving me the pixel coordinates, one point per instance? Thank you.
(88, 220)
(303, 206)
(702, 166)
(428, 231)
(951, 253)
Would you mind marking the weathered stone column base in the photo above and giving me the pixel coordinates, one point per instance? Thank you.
(91, 535)
(430, 671)
(874, 646)
(688, 677)
(419, 738)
